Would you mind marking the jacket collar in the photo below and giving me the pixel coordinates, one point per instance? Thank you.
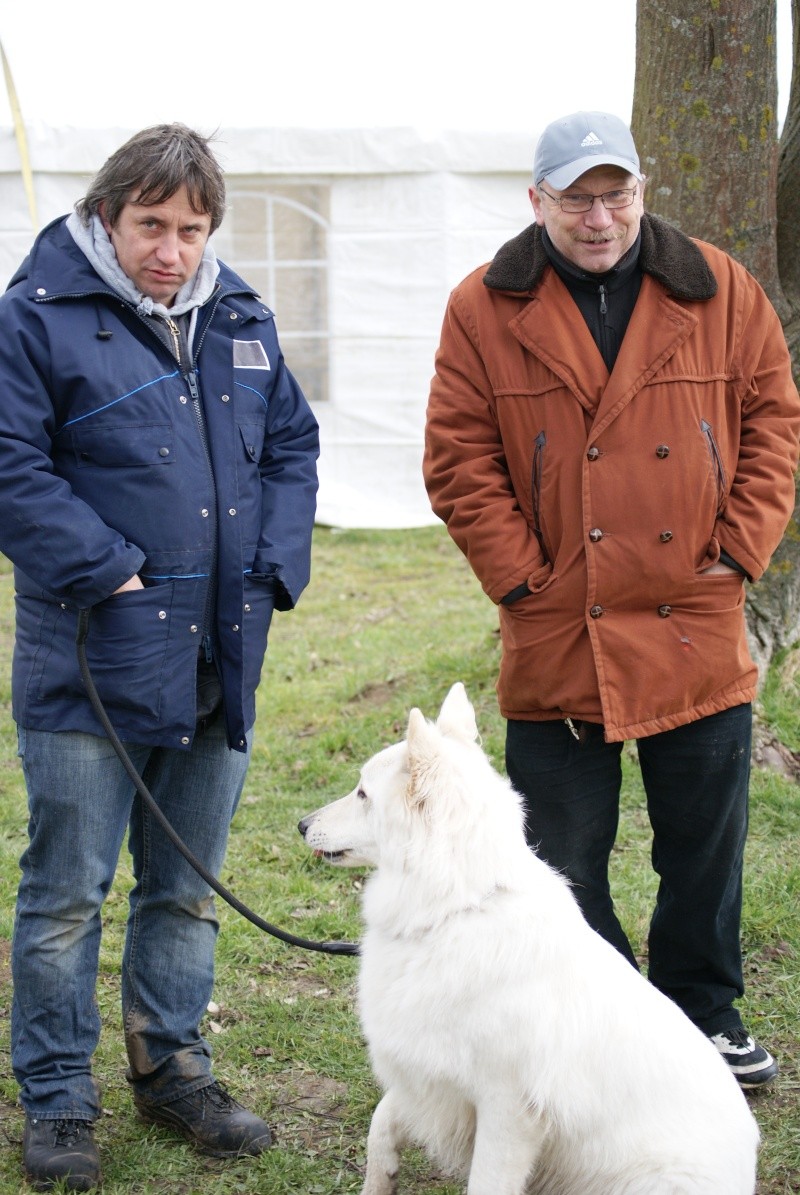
(666, 253)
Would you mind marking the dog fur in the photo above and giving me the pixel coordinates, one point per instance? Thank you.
(513, 1043)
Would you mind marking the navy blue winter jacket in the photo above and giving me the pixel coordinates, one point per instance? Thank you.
(113, 462)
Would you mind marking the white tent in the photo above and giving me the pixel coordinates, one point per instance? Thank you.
(354, 238)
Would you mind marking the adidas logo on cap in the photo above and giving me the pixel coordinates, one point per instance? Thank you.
(589, 140)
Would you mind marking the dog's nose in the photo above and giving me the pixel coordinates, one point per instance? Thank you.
(304, 825)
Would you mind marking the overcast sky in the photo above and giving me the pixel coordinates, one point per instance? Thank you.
(503, 65)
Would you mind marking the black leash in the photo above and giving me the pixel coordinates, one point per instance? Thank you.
(180, 845)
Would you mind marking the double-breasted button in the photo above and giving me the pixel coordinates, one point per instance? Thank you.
(664, 611)
(665, 537)
(597, 611)
(595, 534)
(662, 450)
(593, 453)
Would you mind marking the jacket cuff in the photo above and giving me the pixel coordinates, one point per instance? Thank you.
(726, 558)
(521, 591)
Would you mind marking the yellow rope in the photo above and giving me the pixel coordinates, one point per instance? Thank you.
(22, 140)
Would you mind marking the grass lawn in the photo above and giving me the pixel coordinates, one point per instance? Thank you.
(391, 620)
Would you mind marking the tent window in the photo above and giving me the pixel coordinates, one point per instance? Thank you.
(276, 236)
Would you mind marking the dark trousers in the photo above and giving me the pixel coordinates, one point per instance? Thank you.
(696, 780)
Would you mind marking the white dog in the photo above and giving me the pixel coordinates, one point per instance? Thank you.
(510, 1040)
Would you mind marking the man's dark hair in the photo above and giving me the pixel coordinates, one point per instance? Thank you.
(151, 167)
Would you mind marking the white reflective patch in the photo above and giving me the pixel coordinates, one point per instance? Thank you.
(249, 354)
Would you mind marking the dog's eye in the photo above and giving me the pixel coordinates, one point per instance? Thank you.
(362, 796)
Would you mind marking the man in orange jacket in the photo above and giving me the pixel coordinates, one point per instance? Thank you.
(611, 440)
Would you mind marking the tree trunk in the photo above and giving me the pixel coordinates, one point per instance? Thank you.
(704, 122)
(788, 206)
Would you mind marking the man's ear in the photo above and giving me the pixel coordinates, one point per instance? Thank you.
(101, 211)
(536, 204)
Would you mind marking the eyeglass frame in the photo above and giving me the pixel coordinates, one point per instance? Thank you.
(602, 197)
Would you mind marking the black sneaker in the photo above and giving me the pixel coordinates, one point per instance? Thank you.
(212, 1120)
(60, 1151)
(752, 1065)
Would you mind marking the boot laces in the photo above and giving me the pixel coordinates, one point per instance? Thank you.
(69, 1132)
(219, 1098)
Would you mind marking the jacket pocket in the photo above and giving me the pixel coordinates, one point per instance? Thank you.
(259, 604)
(123, 446)
(537, 466)
(126, 649)
(716, 462)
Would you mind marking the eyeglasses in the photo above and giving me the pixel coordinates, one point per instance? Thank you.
(612, 200)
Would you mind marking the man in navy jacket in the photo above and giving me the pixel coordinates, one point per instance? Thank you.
(157, 465)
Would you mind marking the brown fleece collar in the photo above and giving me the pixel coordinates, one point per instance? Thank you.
(666, 253)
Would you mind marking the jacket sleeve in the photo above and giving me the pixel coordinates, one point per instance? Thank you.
(762, 492)
(465, 468)
(54, 537)
(288, 490)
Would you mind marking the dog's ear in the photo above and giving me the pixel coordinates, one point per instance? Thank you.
(457, 717)
(422, 742)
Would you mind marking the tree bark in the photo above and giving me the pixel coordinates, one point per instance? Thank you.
(704, 121)
(788, 205)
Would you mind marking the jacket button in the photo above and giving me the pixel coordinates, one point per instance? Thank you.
(204, 512)
(162, 614)
(163, 452)
(664, 611)
(596, 611)
(235, 627)
(185, 740)
(595, 534)
(232, 510)
(183, 399)
(247, 607)
(662, 450)
(193, 629)
(665, 537)
(593, 453)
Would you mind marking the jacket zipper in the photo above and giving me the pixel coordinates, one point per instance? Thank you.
(536, 487)
(716, 461)
(174, 332)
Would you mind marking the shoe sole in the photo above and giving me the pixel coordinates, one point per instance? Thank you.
(47, 1184)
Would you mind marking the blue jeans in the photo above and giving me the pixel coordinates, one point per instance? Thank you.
(81, 804)
(696, 780)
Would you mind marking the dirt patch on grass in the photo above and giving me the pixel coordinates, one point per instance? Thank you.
(376, 692)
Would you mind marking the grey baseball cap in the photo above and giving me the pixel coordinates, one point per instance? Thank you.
(570, 146)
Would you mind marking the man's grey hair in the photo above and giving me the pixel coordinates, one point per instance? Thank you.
(151, 167)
